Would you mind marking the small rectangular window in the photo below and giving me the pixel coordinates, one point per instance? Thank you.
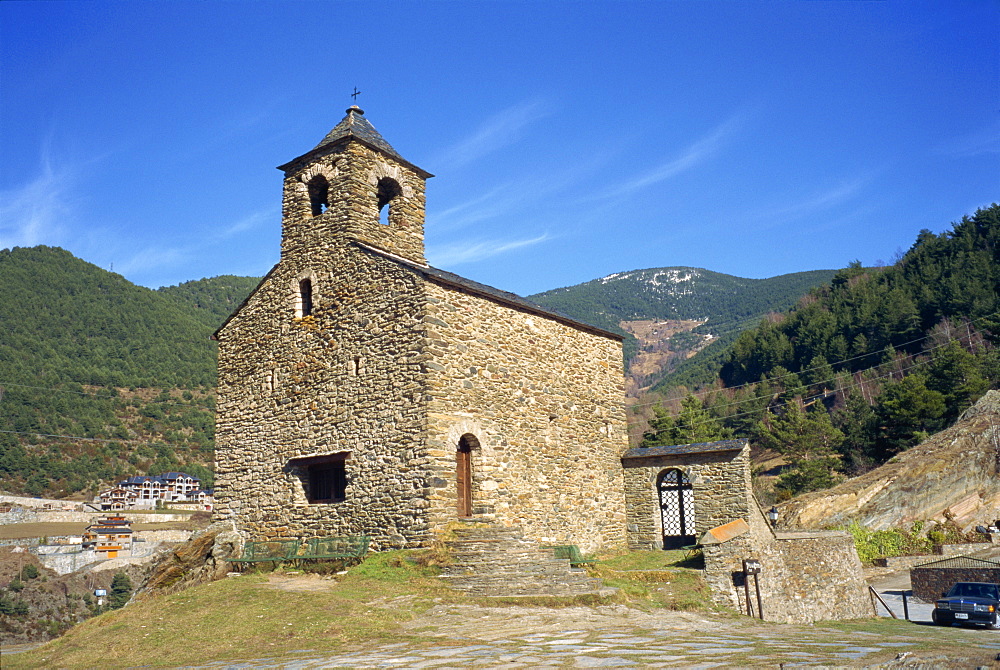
(324, 477)
(327, 482)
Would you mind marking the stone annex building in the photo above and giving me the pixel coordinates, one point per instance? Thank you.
(363, 392)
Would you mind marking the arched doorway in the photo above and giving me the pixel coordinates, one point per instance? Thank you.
(676, 508)
(463, 473)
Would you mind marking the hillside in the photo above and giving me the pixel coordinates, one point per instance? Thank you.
(128, 372)
(212, 299)
(865, 367)
(672, 313)
(920, 484)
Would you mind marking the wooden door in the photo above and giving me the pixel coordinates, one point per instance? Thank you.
(463, 480)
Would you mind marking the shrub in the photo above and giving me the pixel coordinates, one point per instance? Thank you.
(875, 544)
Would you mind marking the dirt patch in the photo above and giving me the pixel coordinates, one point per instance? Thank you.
(303, 583)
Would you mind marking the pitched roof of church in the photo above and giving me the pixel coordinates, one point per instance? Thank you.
(458, 282)
(495, 294)
(356, 126)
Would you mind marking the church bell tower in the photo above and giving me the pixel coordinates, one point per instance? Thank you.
(353, 186)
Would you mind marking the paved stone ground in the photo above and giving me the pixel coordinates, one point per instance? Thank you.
(468, 636)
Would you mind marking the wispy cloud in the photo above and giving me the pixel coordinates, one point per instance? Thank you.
(248, 222)
(696, 153)
(467, 252)
(484, 206)
(36, 212)
(528, 191)
(495, 133)
(151, 258)
(812, 203)
(986, 141)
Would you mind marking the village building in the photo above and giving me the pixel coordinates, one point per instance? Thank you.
(110, 537)
(118, 498)
(146, 491)
(363, 392)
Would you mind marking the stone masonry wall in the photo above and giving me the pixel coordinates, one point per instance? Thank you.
(805, 576)
(392, 369)
(929, 584)
(348, 378)
(719, 485)
(545, 401)
(353, 171)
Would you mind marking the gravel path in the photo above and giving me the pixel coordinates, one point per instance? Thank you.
(614, 636)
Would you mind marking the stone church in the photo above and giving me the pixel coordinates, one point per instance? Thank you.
(363, 392)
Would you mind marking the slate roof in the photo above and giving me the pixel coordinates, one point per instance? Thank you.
(139, 479)
(495, 294)
(176, 475)
(685, 449)
(960, 562)
(356, 125)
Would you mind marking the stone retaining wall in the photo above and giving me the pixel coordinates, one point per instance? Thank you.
(929, 584)
(34, 515)
(805, 577)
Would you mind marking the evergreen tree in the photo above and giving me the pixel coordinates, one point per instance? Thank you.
(956, 374)
(907, 412)
(692, 425)
(121, 591)
(800, 434)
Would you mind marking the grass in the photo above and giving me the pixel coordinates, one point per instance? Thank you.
(274, 614)
(251, 616)
(646, 560)
(657, 579)
(248, 617)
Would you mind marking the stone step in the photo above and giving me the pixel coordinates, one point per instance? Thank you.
(496, 561)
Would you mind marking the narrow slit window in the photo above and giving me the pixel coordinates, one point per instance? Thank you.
(305, 297)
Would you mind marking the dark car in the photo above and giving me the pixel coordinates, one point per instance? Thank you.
(968, 602)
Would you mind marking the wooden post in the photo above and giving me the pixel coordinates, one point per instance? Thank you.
(746, 591)
(760, 607)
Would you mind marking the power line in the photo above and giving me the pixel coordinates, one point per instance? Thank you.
(124, 399)
(803, 400)
(840, 362)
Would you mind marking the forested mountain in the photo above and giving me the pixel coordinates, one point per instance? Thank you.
(723, 306)
(128, 371)
(213, 299)
(679, 293)
(866, 366)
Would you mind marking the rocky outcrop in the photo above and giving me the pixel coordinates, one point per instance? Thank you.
(955, 471)
(202, 559)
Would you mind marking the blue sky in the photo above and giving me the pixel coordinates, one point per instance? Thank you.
(570, 140)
